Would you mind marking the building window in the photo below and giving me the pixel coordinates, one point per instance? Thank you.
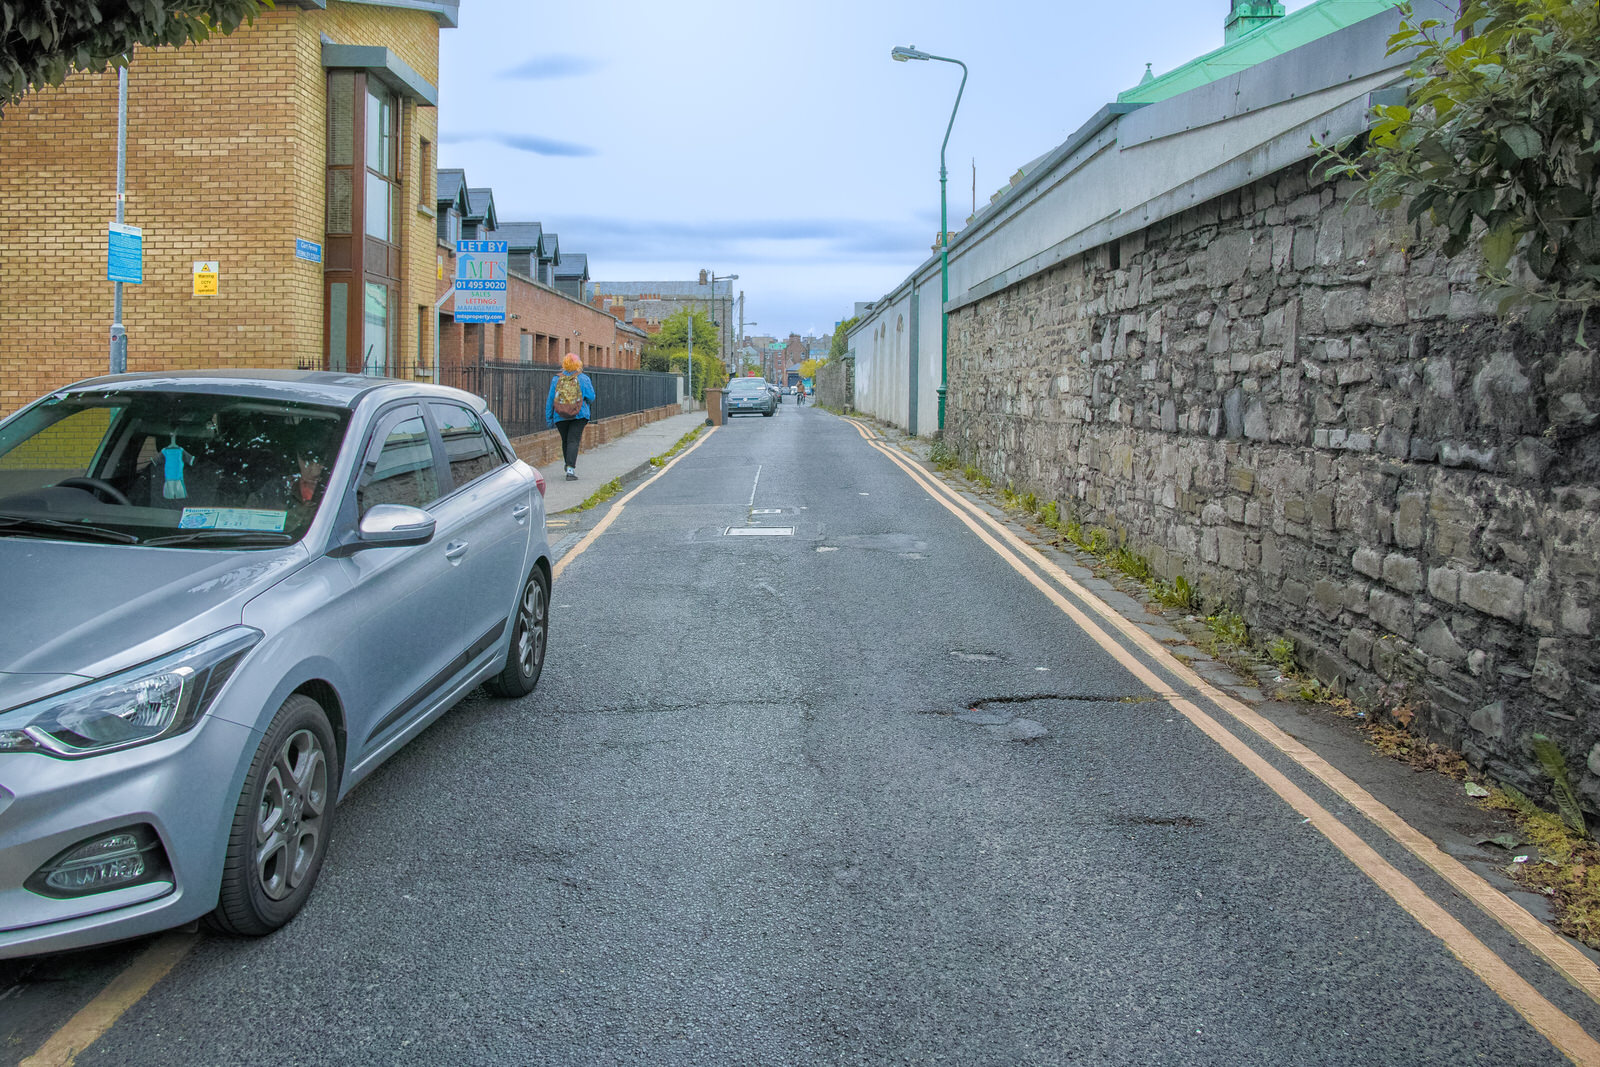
(375, 338)
(362, 263)
(425, 174)
(380, 158)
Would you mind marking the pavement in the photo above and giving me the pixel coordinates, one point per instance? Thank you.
(622, 458)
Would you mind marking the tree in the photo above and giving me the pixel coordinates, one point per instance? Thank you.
(1498, 142)
(668, 350)
(809, 367)
(841, 343)
(43, 41)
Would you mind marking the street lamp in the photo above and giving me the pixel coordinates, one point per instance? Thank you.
(902, 55)
(712, 302)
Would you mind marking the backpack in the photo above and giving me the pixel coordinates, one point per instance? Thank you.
(569, 396)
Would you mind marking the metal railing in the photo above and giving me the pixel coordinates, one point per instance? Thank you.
(516, 392)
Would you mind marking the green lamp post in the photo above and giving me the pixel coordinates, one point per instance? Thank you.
(902, 55)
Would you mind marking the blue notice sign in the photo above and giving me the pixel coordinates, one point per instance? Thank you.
(125, 254)
(304, 249)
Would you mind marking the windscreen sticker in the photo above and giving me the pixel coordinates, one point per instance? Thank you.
(232, 519)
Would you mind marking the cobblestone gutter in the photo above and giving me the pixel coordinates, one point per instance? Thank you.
(1303, 406)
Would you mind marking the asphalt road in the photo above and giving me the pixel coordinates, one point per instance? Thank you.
(856, 793)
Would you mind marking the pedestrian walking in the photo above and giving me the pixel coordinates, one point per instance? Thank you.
(567, 409)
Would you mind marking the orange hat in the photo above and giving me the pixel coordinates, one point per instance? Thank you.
(571, 363)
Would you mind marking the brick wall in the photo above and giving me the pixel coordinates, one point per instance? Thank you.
(1303, 407)
(225, 162)
(555, 323)
(543, 448)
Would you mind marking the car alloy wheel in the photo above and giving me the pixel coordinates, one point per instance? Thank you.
(289, 826)
(282, 824)
(530, 630)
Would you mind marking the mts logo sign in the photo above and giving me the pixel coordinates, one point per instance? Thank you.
(480, 282)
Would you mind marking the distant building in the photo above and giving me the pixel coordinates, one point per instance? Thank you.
(647, 304)
(572, 275)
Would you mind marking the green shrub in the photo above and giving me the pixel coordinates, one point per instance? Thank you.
(1282, 653)
(1050, 515)
(1229, 629)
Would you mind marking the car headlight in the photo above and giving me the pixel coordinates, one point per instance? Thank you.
(147, 703)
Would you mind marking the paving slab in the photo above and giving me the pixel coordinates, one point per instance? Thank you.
(621, 458)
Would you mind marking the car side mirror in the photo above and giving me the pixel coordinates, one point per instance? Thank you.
(395, 525)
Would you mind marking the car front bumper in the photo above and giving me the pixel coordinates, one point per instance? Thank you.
(185, 789)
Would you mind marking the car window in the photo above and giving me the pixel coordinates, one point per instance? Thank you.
(468, 446)
(147, 465)
(402, 472)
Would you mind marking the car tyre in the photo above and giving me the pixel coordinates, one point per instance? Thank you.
(768, 414)
(530, 631)
(282, 824)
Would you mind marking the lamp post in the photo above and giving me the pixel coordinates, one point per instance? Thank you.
(711, 304)
(902, 55)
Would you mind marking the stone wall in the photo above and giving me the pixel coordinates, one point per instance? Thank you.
(836, 384)
(1302, 406)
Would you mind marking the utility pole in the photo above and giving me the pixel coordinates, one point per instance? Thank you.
(119, 334)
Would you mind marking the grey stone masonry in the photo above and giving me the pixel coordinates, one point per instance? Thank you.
(1301, 405)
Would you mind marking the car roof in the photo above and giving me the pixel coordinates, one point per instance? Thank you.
(308, 387)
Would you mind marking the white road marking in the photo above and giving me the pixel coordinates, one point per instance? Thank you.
(753, 487)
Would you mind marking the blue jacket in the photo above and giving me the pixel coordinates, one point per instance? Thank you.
(550, 401)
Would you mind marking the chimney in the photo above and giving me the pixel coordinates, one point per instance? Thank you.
(1249, 15)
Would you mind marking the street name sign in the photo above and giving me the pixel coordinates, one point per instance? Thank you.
(480, 284)
(308, 250)
(125, 254)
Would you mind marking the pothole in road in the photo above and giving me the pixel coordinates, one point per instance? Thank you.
(996, 716)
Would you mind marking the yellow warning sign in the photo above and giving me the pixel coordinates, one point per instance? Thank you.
(205, 277)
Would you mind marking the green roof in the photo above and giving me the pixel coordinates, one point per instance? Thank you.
(1273, 39)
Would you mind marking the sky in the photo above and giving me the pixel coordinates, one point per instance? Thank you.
(778, 141)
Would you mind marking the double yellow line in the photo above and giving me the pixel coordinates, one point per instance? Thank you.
(1556, 1026)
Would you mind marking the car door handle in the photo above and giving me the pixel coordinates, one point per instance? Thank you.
(455, 550)
(521, 512)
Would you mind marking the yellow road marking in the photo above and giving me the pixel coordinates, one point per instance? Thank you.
(1558, 1028)
(616, 509)
(1544, 942)
(97, 1016)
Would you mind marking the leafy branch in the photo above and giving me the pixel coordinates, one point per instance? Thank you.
(1497, 142)
(43, 41)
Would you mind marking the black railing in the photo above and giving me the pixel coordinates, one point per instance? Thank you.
(516, 392)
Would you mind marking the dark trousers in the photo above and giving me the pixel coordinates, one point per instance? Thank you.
(571, 431)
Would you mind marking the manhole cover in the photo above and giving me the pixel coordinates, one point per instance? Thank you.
(759, 531)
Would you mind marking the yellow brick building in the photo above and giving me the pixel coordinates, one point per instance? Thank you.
(315, 124)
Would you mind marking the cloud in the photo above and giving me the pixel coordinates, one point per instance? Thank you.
(542, 146)
(556, 66)
(752, 240)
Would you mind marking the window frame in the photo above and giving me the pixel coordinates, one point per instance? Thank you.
(443, 455)
(378, 430)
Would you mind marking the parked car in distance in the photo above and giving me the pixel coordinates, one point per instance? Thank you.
(749, 396)
(230, 596)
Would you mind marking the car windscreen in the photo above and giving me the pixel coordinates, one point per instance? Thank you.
(166, 468)
(747, 385)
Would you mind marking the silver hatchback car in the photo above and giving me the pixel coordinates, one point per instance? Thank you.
(225, 598)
